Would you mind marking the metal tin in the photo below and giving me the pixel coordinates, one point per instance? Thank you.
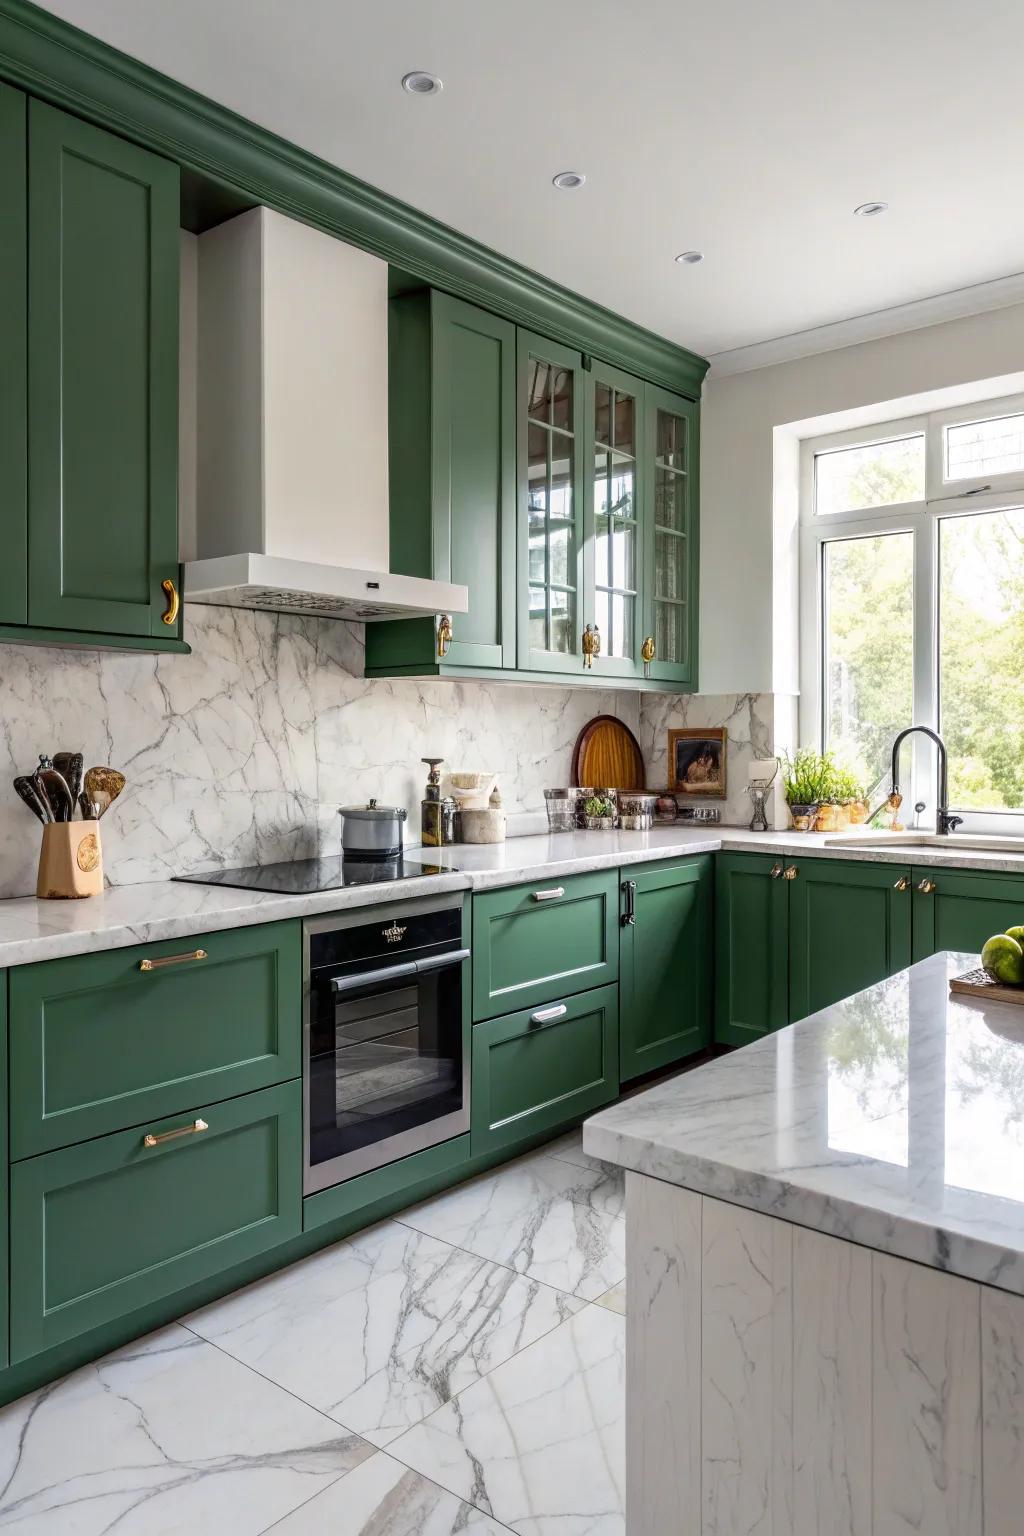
(372, 831)
(636, 811)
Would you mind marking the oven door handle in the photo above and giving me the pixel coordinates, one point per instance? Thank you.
(404, 971)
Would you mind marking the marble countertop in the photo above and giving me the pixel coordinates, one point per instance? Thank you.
(894, 1119)
(32, 930)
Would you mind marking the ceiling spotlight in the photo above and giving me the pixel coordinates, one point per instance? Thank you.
(568, 181)
(689, 258)
(869, 210)
(419, 82)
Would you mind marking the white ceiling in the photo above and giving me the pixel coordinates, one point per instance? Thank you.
(745, 129)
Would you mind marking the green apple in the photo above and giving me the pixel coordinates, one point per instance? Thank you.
(1003, 959)
(1016, 933)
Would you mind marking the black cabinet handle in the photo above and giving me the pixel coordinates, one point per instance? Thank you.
(629, 915)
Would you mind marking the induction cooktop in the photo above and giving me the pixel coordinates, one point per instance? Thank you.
(303, 877)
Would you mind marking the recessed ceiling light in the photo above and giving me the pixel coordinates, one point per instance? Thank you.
(689, 258)
(419, 82)
(869, 210)
(568, 181)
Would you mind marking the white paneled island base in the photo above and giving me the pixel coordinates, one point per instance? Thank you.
(784, 1382)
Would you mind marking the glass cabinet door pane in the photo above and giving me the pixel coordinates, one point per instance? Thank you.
(562, 399)
(552, 507)
(602, 414)
(561, 476)
(563, 622)
(670, 631)
(538, 618)
(537, 397)
(669, 499)
(620, 632)
(670, 448)
(625, 424)
(669, 565)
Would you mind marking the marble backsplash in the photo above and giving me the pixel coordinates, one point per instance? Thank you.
(751, 736)
(242, 752)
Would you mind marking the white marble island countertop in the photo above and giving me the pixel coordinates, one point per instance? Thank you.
(894, 1119)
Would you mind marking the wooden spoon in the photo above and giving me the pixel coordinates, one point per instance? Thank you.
(102, 787)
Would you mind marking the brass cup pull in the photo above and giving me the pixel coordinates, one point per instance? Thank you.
(927, 887)
(902, 884)
(445, 634)
(149, 1140)
(552, 895)
(790, 873)
(776, 871)
(647, 654)
(170, 591)
(154, 965)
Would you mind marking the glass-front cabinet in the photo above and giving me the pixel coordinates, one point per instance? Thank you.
(670, 579)
(613, 556)
(550, 553)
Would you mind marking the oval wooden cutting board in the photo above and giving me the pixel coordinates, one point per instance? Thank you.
(607, 756)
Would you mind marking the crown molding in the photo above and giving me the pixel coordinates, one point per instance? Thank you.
(1001, 293)
(76, 71)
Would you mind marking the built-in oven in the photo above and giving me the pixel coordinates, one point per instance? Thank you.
(386, 1036)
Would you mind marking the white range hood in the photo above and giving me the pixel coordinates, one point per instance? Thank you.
(292, 460)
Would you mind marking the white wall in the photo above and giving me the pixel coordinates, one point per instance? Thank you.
(748, 501)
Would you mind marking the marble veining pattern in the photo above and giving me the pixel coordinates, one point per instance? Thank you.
(749, 722)
(894, 1119)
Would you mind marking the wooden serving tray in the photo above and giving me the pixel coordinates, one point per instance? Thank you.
(980, 984)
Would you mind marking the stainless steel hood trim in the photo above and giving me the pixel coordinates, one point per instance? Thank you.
(278, 585)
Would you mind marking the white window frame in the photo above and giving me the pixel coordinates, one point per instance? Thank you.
(922, 520)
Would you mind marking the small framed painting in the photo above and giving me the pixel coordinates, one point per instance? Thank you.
(696, 760)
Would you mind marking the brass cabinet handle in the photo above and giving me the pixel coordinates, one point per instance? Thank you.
(790, 873)
(445, 634)
(647, 654)
(927, 886)
(549, 1015)
(552, 895)
(149, 1140)
(153, 965)
(902, 884)
(590, 644)
(776, 871)
(170, 591)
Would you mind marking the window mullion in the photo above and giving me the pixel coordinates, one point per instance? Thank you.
(926, 704)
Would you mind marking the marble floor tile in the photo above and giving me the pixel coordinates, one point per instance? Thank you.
(614, 1300)
(380, 1330)
(540, 1442)
(164, 1437)
(384, 1498)
(546, 1218)
(569, 1149)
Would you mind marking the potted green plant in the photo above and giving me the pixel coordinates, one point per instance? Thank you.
(806, 781)
(850, 797)
(599, 813)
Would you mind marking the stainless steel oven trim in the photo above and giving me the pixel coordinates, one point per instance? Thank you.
(366, 1159)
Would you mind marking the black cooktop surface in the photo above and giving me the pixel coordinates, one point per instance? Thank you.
(302, 877)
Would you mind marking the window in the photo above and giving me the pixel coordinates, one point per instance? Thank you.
(912, 605)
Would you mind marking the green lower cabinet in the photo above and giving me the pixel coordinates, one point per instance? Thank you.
(849, 927)
(543, 1068)
(106, 1040)
(4, 1226)
(533, 942)
(664, 964)
(104, 1228)
(751, 947)
(956, 909)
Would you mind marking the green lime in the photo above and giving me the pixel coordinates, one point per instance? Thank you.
(1003, 959)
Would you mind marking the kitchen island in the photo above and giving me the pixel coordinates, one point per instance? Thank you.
(825, 1274)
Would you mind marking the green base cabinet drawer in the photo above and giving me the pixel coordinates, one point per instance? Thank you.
(533, 942)
(539, 1069)
(104, 1228)
(664, 965)
(100, 1042)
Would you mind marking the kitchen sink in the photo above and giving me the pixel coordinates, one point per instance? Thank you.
(928, 842)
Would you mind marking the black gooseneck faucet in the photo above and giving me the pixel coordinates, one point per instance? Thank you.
(944, 822)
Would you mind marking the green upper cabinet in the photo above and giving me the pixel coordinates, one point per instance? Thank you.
(103, 246)
(849, 927)
(13, 373)
(452, 470)
(672, 563)
(550, 482)
(614, 550)
(664, 964)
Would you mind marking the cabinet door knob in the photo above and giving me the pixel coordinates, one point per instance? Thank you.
(790, 873)
(927, 887)
(776, 871)
(170, 591)
(902, 884)
(445, 634)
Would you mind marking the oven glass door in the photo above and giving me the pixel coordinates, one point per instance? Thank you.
(386, 1068)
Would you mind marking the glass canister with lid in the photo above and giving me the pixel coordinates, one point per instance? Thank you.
(636, 811)
(565, 808)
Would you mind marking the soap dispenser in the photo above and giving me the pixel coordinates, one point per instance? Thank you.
(431, 814)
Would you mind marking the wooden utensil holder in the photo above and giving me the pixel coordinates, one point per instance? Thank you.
(70, 861)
